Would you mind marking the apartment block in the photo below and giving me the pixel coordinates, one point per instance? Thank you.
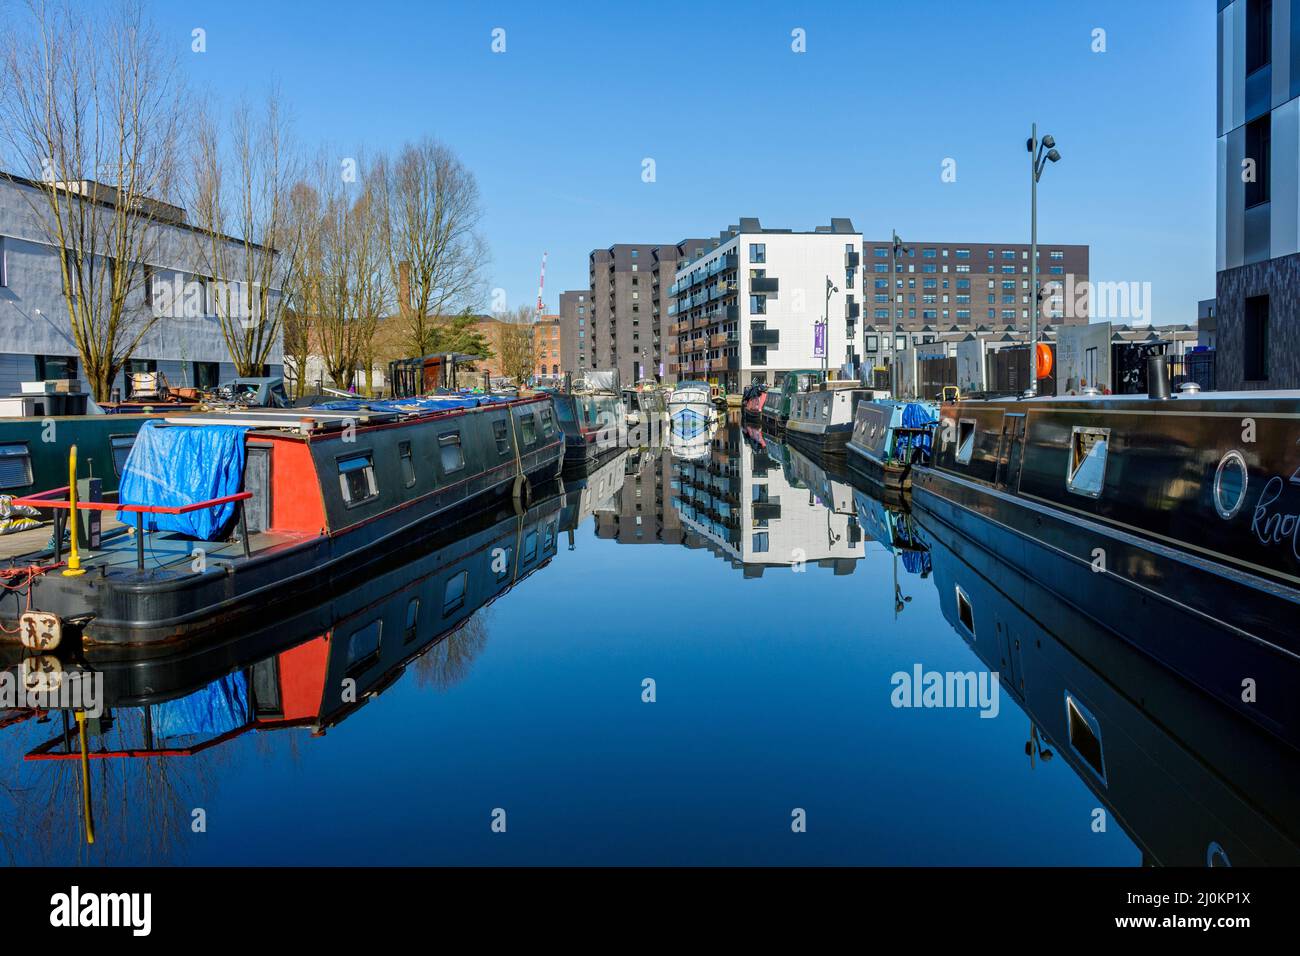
(761, 301)
(575, 308)
(925, 291)
(628, 307)
(1257, 290)
(548, 338)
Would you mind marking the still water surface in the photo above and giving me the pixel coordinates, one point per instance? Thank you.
(755, 588)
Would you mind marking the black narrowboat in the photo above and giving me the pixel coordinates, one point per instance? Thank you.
(594, 423)
(887, 436)
(1177, 516)
(1191, 783)
(301, 497)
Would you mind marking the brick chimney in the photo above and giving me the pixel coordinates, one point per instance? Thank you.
(404, 286)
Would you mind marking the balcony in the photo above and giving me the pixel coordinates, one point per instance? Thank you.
(851, 260)
(852, 311)
(767, 337)
(723, 339)
(764, 285)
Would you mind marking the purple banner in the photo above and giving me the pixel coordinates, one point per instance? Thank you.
(819, 340)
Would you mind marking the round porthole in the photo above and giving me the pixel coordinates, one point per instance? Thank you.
(1230, 485)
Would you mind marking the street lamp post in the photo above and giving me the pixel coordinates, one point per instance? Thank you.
(826, 328)
(895, 247)
(1040, 152)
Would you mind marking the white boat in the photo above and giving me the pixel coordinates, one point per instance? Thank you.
(689, 438)
(690, 403)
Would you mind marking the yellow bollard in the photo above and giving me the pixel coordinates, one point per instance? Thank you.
(85, 777)
(74, 567)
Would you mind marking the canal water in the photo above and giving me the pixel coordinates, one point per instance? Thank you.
(723, 652)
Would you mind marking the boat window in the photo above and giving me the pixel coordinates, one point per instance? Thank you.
(965, 440)
(15, 465)
(965, 613)
(528, 428)
(500, 433)
(1088, 460)
(501, 562)
(548, 423)
(1085, 736)
(1230, 484)
(121, 447)
(453, 596)
(412, 620)
(450, 452)
(408, 463)
(363, 646)
(357, 479)
(826, 407)
(530, 545)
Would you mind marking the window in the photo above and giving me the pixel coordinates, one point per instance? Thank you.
(758, 305)
(502, 568)
(758, 252)
(450, 452)
(965, 613)
(1087, 460)
(1230, 480)
(15, 465)
(121, 448)
(4, 263)
(412, 620)
(548, 423)
(761, 542)
(528, 428)
(1255, 339)
(1085, 735)
(206, 375)
(363, 647)
(357, 479)
(453, 595)
(965, 440)
(1259, 137)
(1259, 34)
(408, 463)
(55, 367)
(530, 546)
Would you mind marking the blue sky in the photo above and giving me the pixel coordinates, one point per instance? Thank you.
(556, 127)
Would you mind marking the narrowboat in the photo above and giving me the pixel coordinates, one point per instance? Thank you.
(34, 450)
(294, 671)
(823, 416)
(776, 407)
(593, 424)
(644, 404)
(1190, 782)
(1177, 516)
(891, 523)
(753, 400)
(229, 510)
(691, 405)
(887, 436)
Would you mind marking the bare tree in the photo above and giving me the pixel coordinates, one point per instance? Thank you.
(435, 254)
(243, 175)
(91, 108)
(516, 343)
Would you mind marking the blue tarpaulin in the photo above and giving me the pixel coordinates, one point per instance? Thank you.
(177, 465)
(217, 709)
(428, 403)
(917, 415)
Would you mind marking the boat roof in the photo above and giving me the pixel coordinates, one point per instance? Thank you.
(336, 415)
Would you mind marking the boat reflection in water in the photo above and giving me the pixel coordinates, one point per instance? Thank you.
(592, 488)
(312, 671)
(758, 503)
(1191, 782)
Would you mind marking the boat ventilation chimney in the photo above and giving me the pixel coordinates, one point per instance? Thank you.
(1090, 390)
(1189, 388)
(1157, 377)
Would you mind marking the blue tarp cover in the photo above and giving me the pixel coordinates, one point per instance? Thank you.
(219, 708)
(428, 403)
(917, 415)
(178, 465)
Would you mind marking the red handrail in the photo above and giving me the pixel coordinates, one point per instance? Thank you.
(40, 500)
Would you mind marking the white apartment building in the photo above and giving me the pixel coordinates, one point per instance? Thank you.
(35, 334)
(748, 310)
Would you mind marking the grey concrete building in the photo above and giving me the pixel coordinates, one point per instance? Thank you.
(1258, 217)
(186, 345)
(629, 307)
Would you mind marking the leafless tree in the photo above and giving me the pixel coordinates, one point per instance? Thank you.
(243, 173)
(435, 253)
(91, 109)
(516, 343)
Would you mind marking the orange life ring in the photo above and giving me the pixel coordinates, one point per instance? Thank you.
(1043, 354)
